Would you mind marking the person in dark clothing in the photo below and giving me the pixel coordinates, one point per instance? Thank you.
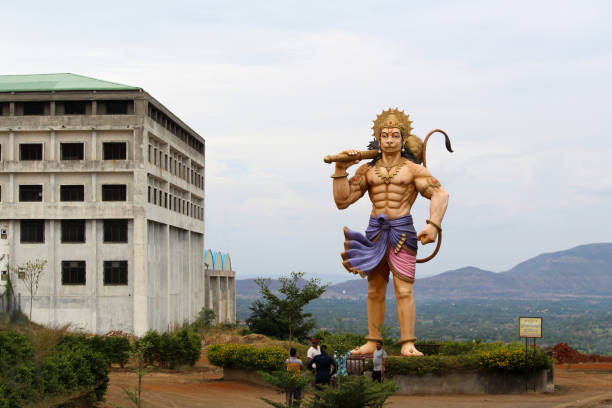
(324, 367)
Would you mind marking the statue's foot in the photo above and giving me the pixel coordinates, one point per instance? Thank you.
(408, 349)
(368, 348)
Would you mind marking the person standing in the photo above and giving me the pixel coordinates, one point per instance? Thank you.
(324, 367)
(379, 358)
(293, 364)
(313, 350)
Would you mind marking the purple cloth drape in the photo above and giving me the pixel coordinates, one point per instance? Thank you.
(364, 254)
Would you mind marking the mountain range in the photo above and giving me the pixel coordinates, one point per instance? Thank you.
(583, 271)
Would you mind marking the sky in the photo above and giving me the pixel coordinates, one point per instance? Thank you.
(523, 88)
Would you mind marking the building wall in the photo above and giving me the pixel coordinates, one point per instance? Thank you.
(94, 306)
(166, 280)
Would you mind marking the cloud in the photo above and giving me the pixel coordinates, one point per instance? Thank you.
(522, 88)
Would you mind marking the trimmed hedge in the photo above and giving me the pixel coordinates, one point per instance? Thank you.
(269, 358)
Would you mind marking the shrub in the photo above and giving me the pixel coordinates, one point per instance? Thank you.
(117, 350)
(72, 366)
(268, 358)
(172, 350)
(511, 358)
(454, 348)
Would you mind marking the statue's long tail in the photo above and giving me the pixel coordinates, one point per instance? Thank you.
(450, 149)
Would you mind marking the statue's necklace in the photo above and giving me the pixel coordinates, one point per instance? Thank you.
(390, 173)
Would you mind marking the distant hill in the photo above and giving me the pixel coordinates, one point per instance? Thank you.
(585, 270)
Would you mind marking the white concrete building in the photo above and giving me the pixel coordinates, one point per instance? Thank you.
(107, 185)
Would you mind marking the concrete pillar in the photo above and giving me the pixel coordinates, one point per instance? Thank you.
(11, 146)
(94, 144)
(141, 283)
(94, 187)
(94, 107)
(12, 109)
(52, 147)
(232, 298)
(169, 282)
(11, 189)
(96, 268)
(190, 268)
(54, 272)
(52, 108)
(51, 196)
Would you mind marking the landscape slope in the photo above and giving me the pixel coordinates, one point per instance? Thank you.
(582, 271)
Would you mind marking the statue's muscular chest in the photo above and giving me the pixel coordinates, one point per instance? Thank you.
(384, 180)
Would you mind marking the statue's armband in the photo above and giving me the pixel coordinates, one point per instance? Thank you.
(359, 181)
(432, 184)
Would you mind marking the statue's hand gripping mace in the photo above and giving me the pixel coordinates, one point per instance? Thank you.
(362, 155)
(370, 154)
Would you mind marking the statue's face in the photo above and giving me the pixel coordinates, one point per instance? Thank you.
(390, 140)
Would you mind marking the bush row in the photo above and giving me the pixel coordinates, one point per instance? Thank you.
(267, 358)
(171, 350)
(68, 369)
(467, 356)
(498, 357)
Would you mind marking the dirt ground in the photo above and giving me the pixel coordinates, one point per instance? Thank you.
(577, 386)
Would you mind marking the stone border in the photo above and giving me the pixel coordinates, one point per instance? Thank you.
(474, 382)
(465, 382)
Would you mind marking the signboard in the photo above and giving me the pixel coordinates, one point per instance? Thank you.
(530, 327)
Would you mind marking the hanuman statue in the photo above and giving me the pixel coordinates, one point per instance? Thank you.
(392, 180)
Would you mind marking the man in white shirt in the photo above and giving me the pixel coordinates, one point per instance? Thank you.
(313, 350)
(378, 360)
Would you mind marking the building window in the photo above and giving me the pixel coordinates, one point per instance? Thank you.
(74, 107)
(114, 192)
(114, 151)
(116, 107)
(32, 231)
(31, 151)
(73, 231)
(34, 108)
(30, 192)
(73, 272)
(116, 231)
(72, 193)
(71, 151)
(165, 200)
(115, 272)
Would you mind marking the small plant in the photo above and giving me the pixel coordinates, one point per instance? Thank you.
(356, 392)
(287, 382)
(141, 369)
(205, 320)
(30, 273)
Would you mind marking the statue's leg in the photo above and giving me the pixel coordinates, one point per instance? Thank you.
(406, 315)
(377, 307)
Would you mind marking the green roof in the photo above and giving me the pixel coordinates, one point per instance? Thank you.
(58, 82)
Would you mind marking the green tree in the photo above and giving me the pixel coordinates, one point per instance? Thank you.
(283, 316)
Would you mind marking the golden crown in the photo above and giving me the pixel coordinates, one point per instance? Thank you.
(394, 118)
